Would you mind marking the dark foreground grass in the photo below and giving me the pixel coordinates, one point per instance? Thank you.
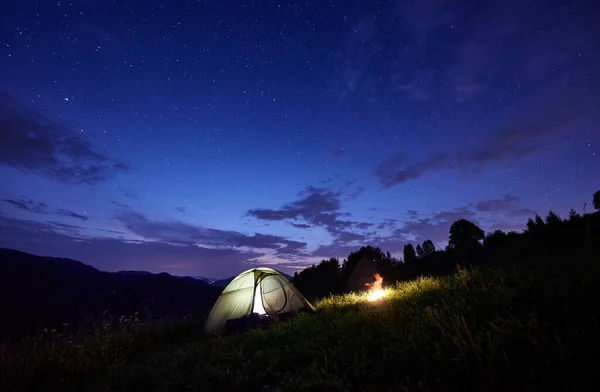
(532, 328)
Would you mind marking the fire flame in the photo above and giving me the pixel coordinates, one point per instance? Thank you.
(375, 290)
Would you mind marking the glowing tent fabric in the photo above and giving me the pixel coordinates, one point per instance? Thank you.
(258, 290)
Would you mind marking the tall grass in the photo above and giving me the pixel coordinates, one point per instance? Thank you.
(531, 328)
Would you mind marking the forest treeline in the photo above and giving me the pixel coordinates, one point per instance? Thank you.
(543, 239)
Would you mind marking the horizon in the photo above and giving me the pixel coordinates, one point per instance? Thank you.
(206, 140)
(212, 279)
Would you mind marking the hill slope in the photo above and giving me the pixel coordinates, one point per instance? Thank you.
(53, 291)
(528, 328)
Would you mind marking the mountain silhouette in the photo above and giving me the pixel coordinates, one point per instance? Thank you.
(37, 291)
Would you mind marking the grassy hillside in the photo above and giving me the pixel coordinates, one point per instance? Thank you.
(526, 328)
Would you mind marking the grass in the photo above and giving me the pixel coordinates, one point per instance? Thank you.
(527, 328)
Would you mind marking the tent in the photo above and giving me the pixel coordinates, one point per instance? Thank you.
(257, 290)
(362, 274)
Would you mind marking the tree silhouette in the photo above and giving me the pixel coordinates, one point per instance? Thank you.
(573, 214)
(596, 200)
(420, 253)
(552, 218)
(539, 221)
(543, 239)
(428, 248)
(409, 254)
(383, 261)
(320, 280)
(464, 235)
(536, 225)
(530, 225)
(495, 240)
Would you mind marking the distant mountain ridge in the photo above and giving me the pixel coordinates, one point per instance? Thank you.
(53, 291)
(204, 279)
(222, 283)
(134, 272)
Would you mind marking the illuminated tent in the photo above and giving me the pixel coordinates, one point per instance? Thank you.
(362, 274)
(257, 290)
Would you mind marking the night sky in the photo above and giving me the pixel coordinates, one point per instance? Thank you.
(204, 138)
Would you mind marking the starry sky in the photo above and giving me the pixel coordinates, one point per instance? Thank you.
(203, 138)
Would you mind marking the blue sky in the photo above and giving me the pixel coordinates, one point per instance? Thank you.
(208, 138)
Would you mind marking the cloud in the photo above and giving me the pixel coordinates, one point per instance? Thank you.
(335, 250)
(319, 207)
(300, 225)
(111, 231)
(507, 202)
(435, 227)
(453, 53)
(32, 142)
(183, 233)
(315, 206)
(181, 209)
(65, 228)
(562, 106)
(110, 254)
(523, 137)
(357, 192)
(127, 193)
(498, 43)
(160, 245)
(412, 213)
(387, 223)
(71, 214)
(345, 237)
(504, 212)
(183, 248)
(395, 170)
(507, 206)
(488, 45)
(261, 241)
(489, 214)
(27, 204)
(377, 209)
(119, 204)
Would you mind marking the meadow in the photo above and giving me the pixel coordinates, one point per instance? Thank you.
(531, 326)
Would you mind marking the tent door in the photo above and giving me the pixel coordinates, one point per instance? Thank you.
(258, 300)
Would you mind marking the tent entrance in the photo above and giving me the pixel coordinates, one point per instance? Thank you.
(258, 301)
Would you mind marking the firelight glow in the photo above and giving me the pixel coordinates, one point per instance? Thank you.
(376, 295)
(375, 291)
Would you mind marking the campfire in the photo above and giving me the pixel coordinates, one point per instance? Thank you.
(375, 291)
